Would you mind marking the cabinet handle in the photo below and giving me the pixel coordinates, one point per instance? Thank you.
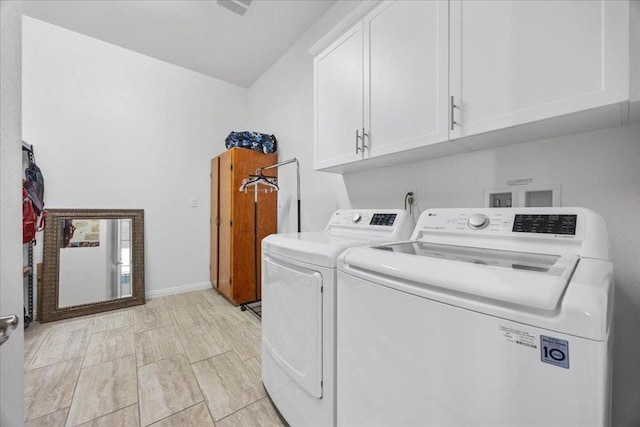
(357, 141)
(453, 105)
(363, 137)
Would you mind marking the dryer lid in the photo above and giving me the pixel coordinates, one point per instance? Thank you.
(526, 279)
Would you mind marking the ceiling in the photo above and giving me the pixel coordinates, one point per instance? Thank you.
(199, 35)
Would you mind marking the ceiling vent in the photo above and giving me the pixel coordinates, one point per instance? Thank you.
(239, 7)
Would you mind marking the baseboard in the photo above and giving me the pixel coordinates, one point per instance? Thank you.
(177, 290)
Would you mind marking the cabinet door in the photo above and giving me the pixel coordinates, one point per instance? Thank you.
(514, 62)
(224, 234)
(338, 101)
(406, 75)
(214, 220)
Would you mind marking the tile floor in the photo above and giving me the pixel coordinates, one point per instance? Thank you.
(184, 360)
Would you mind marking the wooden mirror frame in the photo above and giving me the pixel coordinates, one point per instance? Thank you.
(48, 289)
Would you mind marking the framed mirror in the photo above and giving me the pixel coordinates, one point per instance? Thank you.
(93, 262)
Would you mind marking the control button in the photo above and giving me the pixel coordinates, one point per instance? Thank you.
(478, 221)
(356, 217)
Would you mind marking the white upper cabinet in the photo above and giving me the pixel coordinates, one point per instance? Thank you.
(410, 79)
(382, 87)
(338, 98)
(515, 62)
(406, 73)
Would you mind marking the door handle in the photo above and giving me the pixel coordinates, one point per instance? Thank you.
(357, 141)
(7, 324)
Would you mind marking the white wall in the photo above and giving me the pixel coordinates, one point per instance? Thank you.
(598, 170)
(115, 129)
(281, 102)
(11, 281)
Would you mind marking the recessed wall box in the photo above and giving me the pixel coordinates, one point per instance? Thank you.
(500, 198)
(540, 196)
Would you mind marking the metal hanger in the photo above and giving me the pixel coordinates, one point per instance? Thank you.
(270, 182)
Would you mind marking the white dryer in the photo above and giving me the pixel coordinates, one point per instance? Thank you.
(488, 317)
(298, 309)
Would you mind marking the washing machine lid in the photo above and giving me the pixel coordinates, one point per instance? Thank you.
(525, 279)
(316, 248)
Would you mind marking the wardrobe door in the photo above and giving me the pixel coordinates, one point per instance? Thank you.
(214, 223)
(224, 229)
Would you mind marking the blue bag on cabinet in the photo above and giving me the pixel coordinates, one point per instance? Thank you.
(253, 140)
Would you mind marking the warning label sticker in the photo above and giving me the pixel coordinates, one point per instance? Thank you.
(517, 336)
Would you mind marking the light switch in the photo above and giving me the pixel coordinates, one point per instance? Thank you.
(194, 202)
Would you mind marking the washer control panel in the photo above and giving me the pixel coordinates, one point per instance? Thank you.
(505, 221)
(545, 224)
(363, 218)
(373, 224)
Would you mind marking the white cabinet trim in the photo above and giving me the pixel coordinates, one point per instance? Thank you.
(356, 15)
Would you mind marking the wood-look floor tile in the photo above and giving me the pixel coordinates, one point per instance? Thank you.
(260, 413)
(226, 315)
(109, 345)
(201, 342)
(166, 387)
(57, 419)
(173, 301)
(243, 340)
(185, 317)
(68, 325)
(61, 346)
(196, 416)
(185, 300)
(254, 366)
(34, 336)
(226, 384)
(255, 323)
(50, 388)
(154, 302)
(151, 318)
(127, 417)
(214, 298)
(103, 389)
(157, 344)
(112, 320)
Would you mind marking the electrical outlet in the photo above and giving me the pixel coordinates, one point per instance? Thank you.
(409, 200)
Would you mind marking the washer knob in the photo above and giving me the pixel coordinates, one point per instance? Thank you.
(356, 217)
(478, 221)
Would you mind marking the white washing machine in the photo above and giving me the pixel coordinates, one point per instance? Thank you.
(298, 309)
(487, 317)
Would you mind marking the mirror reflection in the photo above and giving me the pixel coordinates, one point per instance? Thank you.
(95, 260)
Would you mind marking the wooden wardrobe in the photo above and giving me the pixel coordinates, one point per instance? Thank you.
(232, 269)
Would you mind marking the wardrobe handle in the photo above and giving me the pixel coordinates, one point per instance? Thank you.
(357, 141)
(363, 137)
